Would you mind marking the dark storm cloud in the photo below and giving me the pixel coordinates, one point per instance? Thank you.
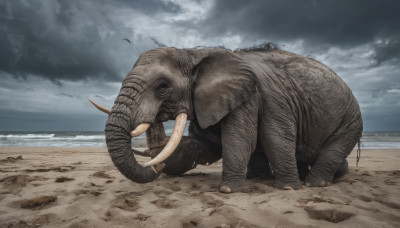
(150, 6)
(76, 96)
(69, 39)
(81, 44)
(319, 23)
(388, 50)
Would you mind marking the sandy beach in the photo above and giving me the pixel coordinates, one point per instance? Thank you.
(80, 187)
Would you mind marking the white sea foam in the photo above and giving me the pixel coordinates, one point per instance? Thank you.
(380, 145)
(50, 139)
(88, 137)
(369, 140)
(28, 136)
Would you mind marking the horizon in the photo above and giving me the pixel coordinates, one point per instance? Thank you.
(57, 54)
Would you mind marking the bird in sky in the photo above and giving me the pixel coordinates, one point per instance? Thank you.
(127, 40)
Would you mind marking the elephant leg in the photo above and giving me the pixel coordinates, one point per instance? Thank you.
(239, 139)
(259, 165)
(330, 162)
(279, 143)
(189, 153)
(331, 158)
(303, 169)
(343, 169)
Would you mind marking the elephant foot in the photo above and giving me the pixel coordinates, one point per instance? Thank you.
(341, 178)
(237, 186)
(342, 170)
(316, 182)
(295, 185)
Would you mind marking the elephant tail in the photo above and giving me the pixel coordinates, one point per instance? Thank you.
(358, 152)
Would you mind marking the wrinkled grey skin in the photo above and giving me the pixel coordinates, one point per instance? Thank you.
(251, 108)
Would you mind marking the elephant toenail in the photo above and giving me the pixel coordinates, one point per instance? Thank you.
(287, 188)
(225, 189)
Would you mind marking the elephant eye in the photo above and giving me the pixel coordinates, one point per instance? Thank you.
(163, 90)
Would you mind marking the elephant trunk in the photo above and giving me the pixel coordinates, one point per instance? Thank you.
(118, 139)
(119, 147)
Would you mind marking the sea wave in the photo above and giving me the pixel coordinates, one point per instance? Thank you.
(56, 139)
(380, 145)
(369, 140)
(50, 137)
(27, 136)
(89, 137)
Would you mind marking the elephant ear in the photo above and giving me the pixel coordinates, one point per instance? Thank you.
(223, 82)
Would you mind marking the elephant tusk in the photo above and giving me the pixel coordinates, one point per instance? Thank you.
(140, 129)
(99, 107)
(173, 141)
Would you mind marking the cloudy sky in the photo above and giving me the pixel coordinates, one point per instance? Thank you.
(56, 54)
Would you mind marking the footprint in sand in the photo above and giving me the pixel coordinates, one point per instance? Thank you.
(82, 223)
(90, 188)
(44, 219)
(383, 200)
(364, 198)
(166, 203)
(126, 202)
(191, 223)
(37, 202)
(330, 215)
(16, 183)
(366, 173)
(395, 173)
(56, 169)
(102, 174)
(88, 184)
(389, 182)
(85, 192)
(209, 201)
(12, 159)
(195, 186)
(63, 179)
(20, 223)
(229, 218)
(162, 193)
(173, 186)
(379, 198)
(141, 217)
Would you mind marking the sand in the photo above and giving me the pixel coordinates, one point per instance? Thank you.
(70, 187)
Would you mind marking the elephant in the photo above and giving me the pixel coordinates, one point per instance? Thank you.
(262, 110)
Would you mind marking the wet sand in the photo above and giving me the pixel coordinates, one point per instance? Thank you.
(80, 187)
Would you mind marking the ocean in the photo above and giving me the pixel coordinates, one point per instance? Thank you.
(66, 138)
(369, 140)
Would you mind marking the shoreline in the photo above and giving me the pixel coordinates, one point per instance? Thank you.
(80, 187)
